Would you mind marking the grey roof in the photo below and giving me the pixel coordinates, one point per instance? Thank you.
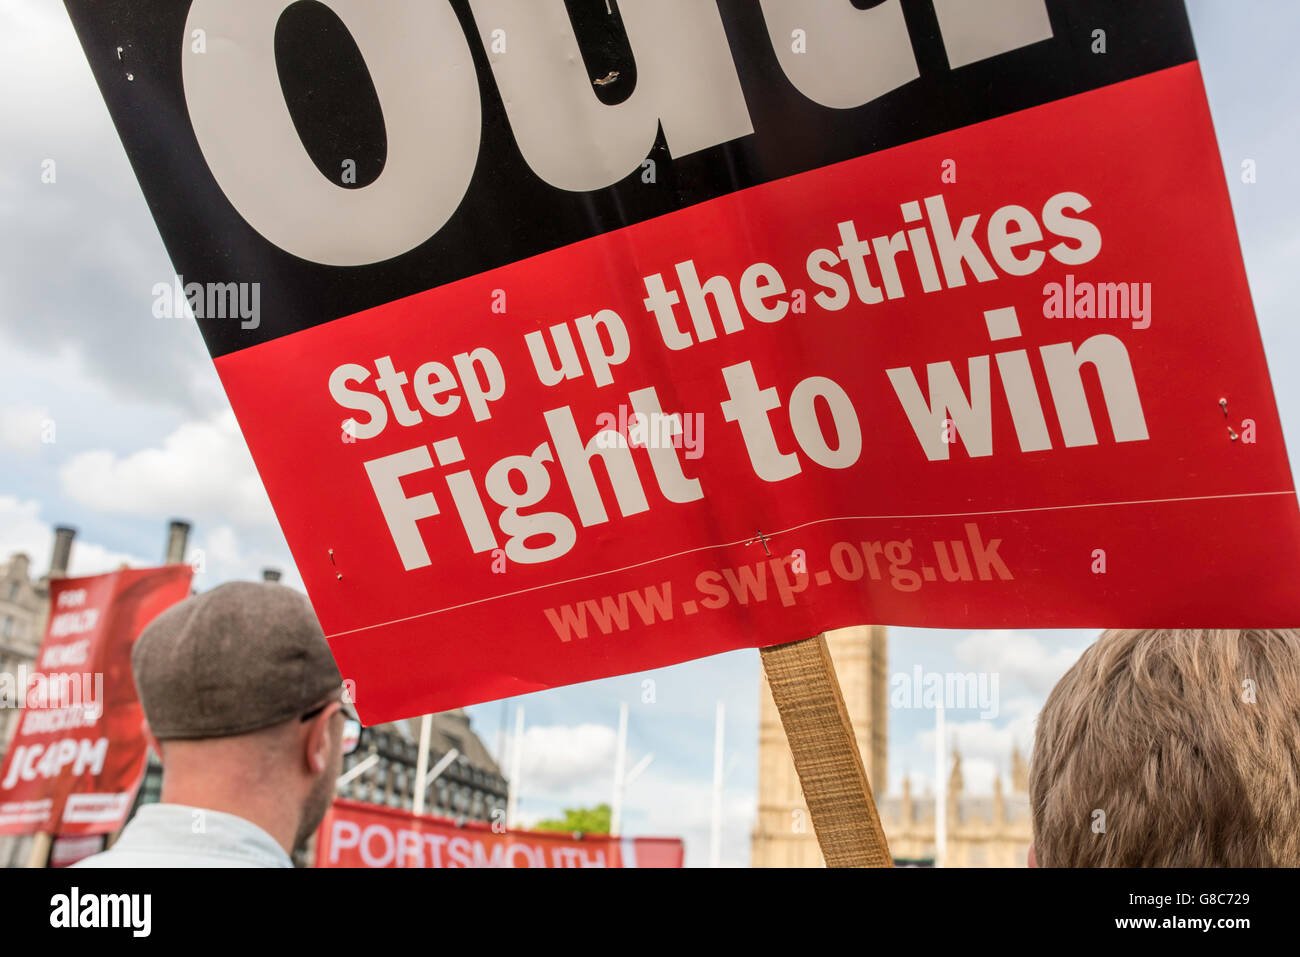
(451, 729)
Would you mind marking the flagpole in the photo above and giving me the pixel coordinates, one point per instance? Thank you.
(620, 772)
(715, 838)
(940, 789)
(516, 752)
(422, 763)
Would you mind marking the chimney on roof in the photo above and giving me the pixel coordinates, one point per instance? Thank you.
(63, 536)
(178, 536)
(20, 566)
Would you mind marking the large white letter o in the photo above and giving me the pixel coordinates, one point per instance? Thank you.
(424, 76)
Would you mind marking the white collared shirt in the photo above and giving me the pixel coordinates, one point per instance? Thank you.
(176, 835)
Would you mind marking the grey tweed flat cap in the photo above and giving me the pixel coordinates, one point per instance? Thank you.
(238, 658)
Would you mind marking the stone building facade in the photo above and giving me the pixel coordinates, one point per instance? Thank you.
(982, 831)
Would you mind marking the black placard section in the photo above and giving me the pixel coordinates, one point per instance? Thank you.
(508, 213)
(330, 95)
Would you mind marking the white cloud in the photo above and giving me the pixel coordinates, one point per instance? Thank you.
(203, 471)
(985, 747)
(219, 555)
(1017, 656)
(656, 805)
(23, 530)
(24, 428)
(81, 252)
(683, 807)
(564, 760)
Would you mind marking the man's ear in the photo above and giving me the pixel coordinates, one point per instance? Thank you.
(317, 745)
(1033, 861)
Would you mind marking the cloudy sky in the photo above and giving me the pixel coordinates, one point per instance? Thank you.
(142, 431)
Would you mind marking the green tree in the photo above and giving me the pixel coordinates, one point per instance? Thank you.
(588, 820)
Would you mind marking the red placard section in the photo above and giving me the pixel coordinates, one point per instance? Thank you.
(973, 381)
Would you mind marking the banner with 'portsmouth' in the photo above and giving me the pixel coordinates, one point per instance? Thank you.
(355, 834)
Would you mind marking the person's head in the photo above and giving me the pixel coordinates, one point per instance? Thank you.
(247, 706)
(1171, 748)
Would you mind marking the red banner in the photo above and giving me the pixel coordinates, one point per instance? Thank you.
(79, 753)
(355, 834)
(929, 386)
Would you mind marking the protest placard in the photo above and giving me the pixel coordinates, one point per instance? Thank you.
(79, 751)
(573, 340)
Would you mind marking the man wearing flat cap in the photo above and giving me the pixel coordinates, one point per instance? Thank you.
(247, 711)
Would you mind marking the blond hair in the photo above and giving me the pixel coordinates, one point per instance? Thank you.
(1186, 742)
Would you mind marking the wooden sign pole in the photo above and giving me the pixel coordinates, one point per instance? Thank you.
(825, 751)
(40, 853)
